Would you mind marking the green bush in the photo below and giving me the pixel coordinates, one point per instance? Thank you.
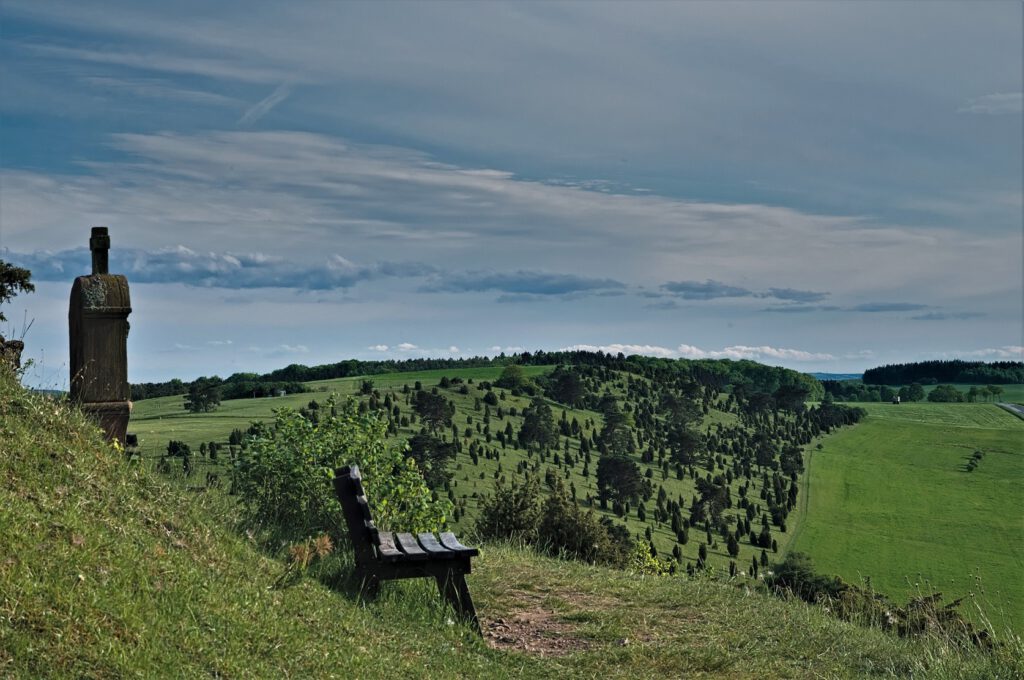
(285, 480)
(556, 525)
(568, 530)
(511, 512)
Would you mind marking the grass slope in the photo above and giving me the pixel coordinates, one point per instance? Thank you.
(108, 570)
(891, 499)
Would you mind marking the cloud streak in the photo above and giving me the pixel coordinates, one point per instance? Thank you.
(525, 283)
(263, 107)
(712, 290)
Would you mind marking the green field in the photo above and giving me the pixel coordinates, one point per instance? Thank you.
(891, 499)
(1011, 393)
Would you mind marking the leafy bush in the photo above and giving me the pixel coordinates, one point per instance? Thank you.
(567, 529)
(642, 561)
(557, 526)
(512, 511)
(285, 480)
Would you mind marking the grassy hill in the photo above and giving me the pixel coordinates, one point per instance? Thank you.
(893, 499)
(110, 570)
(158, 420)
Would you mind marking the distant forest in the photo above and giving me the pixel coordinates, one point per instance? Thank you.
(750, 376)
(955, 371)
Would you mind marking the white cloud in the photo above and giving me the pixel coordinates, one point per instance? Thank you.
(1007, 352)
(759, 353)
(453, 349)
(378, 348)
(736, 352)
(219, 343)
(407, 347)
(296, 349)
(627, 349)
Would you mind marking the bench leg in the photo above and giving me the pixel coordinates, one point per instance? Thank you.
(454, 589)
(369, 586)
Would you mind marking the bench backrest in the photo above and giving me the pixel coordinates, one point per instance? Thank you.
(348, 486)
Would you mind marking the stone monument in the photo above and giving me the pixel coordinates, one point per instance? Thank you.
(98, 328)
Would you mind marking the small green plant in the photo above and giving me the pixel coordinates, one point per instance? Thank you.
(642, 561)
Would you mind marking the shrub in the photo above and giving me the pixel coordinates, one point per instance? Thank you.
(511, 512)
(285, 481)
(642, 561)
(567, 529)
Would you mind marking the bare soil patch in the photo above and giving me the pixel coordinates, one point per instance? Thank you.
(531, 627)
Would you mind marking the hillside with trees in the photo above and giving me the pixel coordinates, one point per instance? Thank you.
(700, 461)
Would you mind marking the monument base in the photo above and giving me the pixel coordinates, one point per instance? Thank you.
(111, 416)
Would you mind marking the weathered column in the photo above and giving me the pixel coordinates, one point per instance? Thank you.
(98, 326)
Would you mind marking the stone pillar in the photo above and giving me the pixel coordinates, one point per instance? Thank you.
(98, 329)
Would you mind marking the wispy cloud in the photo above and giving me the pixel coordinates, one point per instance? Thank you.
(1007, 352)
(711, 290)
(872, 307)
(793, 295)
(209, 67)
(217, 270)
(263, 107)
(995, 104)
(944, 316)
(529, 283)
(158, 88)
(706, 290)
(864, 307)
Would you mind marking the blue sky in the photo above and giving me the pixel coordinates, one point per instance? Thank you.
(826, 186)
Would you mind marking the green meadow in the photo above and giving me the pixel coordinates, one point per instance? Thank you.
(892, 500)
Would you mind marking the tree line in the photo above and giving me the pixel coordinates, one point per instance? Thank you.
(952, 371)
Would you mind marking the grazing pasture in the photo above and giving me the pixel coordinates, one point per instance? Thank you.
(894, 499)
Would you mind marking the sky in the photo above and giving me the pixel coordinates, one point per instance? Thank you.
(826, 186)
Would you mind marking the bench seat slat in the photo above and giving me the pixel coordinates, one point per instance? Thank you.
(386, 547)
(449, 541)
(429, 543)
(407, 542)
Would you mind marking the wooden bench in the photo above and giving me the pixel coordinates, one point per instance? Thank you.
(383, 555)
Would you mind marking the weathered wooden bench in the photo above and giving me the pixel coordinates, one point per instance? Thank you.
(384, 556)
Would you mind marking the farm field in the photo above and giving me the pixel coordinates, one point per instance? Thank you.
(891, 499)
